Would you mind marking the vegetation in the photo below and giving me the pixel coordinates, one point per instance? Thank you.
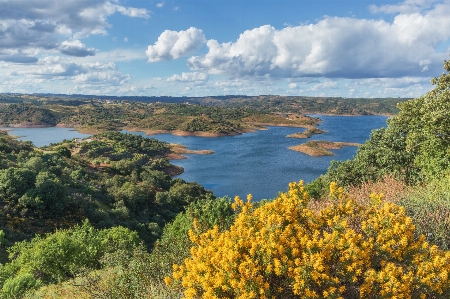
(414, 147)
(102, 217)
(283, 249)
(309, 105)
(99, 116)
(216, 115)
(60, 256)
(307, 133)
(111, 179)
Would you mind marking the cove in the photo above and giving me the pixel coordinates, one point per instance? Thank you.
(45, 136)
(260, 162)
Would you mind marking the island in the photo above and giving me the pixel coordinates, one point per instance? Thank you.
(307, 134)
(320, 148)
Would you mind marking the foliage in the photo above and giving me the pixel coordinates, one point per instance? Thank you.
(284, 249)
(111, 179)
(28, 114)
(141, 275)
(413, 147)
(61, 255)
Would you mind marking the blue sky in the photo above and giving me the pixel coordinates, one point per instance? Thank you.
(218, 47)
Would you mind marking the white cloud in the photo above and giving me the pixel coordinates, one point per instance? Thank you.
(57, 68)
(189, 78)
(335, 48)
(75, 48)
(133, 12)
(159, 5)
(26, 24)
(125, 39)
(173, 44)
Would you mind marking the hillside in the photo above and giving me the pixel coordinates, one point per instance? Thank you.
(376, 226)
(111, 179)
(95, 116)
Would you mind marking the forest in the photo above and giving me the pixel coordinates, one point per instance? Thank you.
(103, 218)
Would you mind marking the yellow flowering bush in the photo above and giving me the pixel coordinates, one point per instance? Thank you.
(285, 249)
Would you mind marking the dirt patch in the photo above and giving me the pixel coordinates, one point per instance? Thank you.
(320, 148)
(181, 149)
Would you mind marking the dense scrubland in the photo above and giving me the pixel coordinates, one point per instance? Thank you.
(103, 219)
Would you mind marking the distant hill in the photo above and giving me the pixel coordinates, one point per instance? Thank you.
(261, 103)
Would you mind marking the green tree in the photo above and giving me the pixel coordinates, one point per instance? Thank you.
(414, 146)
(14, 182)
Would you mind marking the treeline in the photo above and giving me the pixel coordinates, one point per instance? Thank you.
(311, 105)
(262, 103)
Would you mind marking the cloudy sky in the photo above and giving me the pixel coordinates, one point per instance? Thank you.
(348, 48)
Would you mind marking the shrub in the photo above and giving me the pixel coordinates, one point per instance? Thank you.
(61, 255)
(284, 249)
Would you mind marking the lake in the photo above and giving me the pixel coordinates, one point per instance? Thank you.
(259, 162)
(45, 136)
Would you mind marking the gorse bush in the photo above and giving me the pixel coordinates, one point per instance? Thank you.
(284, 249)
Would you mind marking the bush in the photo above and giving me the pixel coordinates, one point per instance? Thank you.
(60, 256)
(284, 249)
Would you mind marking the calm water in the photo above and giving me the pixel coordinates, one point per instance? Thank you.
(45, 136)
(259, 163)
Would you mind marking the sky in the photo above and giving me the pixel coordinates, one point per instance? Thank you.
(344, 48)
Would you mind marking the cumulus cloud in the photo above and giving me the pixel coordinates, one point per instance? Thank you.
(175, 44)
(335, 48)
(75, 48)
(189, 78)
(38, 24)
